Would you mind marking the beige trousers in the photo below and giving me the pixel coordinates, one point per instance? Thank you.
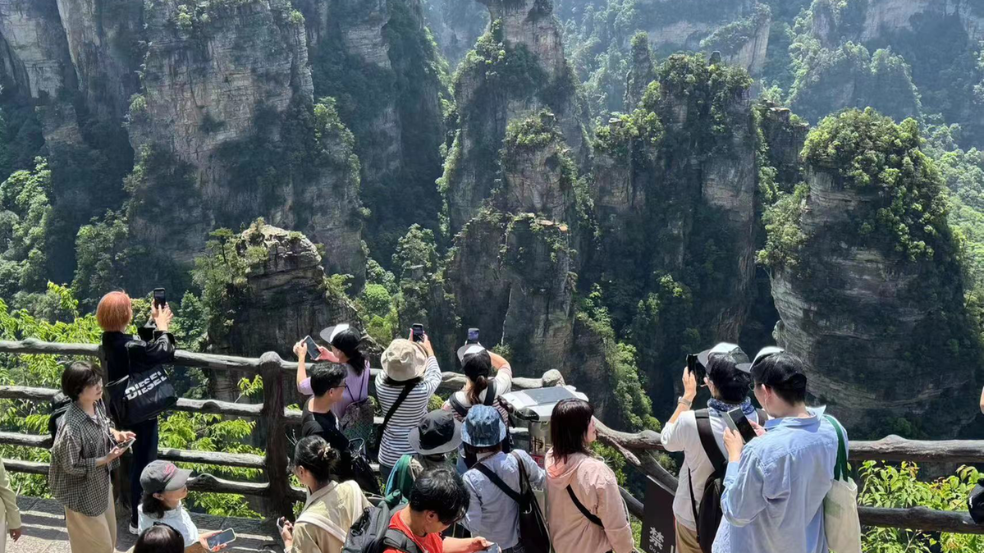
(686, 540)
(92, 534)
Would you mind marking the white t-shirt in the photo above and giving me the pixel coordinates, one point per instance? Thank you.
(175, 518)
(683, 436)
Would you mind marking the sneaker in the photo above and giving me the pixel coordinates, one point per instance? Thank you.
(134, 530)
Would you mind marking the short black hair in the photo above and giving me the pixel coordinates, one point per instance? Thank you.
(784, 373)
(442, 491)
(77, 377)
(159, 538)
(569, 423)
(732, 384)
(326, 377)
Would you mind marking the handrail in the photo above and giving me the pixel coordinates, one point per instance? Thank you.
(633, 446)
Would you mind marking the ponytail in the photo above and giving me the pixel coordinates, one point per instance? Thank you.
(357, 360)
(477, 385)
(317, 457)
(478, 369)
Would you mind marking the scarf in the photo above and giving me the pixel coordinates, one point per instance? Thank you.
(721, 407)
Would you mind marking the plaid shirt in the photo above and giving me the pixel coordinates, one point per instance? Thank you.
(75, 480)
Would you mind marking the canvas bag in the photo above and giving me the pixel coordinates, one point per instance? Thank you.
(840, 507)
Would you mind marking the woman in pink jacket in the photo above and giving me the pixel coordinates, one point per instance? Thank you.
(585, 512)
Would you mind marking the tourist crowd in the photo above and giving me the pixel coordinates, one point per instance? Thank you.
(751, 480)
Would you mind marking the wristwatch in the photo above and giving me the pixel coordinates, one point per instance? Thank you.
(685, 401)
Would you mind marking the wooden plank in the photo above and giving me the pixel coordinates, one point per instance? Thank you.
(25, 440)
(219, 407)
(27, 393)
(921, 518)
(896, 449)
(29, 467)
(218, 458)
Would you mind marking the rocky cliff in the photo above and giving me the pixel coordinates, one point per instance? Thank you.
(871, 295)
(34, 48)
(675, 200)
(380, 62)
(739, 29)
(456, 26)
(517, 68)
(227, 131)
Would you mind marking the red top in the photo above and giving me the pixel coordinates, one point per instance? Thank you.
(431, 543)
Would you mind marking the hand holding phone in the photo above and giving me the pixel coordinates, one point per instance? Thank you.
(160, 298)
(126, 444)
(736, 420)
(312, 348)
(696, 369)
(417, 332)
(216, 541)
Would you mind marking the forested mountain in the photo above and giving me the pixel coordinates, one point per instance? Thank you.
(601, 186)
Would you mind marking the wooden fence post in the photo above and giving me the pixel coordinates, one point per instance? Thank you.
(275, 461)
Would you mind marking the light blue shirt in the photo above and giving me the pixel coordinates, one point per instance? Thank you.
(491, 513)
(773, 497)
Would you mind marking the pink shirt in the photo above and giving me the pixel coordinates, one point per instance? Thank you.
(596, 488)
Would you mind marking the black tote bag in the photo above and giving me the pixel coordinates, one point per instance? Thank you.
(140, 396)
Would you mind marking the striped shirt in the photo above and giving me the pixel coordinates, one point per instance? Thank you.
(394, 443)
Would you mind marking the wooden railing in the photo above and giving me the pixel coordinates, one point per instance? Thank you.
(280, 496)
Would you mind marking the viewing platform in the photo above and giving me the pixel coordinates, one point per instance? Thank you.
(44, 519)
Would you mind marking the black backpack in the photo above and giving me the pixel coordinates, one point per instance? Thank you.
(59, 406)
(372, 534)
(708, 514)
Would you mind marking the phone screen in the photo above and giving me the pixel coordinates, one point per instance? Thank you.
(126, 444)
(473, 335)
(694, 366)
(418, 332)
(312, 348)
(159, 297)
(742, 425)
(223, 537)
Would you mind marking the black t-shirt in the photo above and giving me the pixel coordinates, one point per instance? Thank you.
(324, 425)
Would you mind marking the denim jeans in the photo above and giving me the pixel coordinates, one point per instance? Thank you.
(144, 452)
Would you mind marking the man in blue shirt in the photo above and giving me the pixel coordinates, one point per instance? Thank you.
(492, 513)
(775, 485)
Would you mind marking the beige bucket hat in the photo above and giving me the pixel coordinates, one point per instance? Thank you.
(404, 360)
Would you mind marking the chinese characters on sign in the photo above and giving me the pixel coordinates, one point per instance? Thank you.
(658, 530)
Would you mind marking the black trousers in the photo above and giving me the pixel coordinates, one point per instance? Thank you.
(144, 452)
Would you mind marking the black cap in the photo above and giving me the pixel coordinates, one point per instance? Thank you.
(343, 336)
(438, 432)
(730, 351)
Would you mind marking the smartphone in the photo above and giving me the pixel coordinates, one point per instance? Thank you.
(159, 298)
(222, 538)
(126, 445)
(696, 369)
(280, 524)
(472, 335)
(418, 332)
(313, 352)
(736, 421)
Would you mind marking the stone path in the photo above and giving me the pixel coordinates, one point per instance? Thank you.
(44, 530)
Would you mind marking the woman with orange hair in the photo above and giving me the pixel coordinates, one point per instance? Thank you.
(127, 354)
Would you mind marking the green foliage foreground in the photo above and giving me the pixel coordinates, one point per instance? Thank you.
(194, 431)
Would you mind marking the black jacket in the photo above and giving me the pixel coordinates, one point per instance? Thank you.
(126, 354)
